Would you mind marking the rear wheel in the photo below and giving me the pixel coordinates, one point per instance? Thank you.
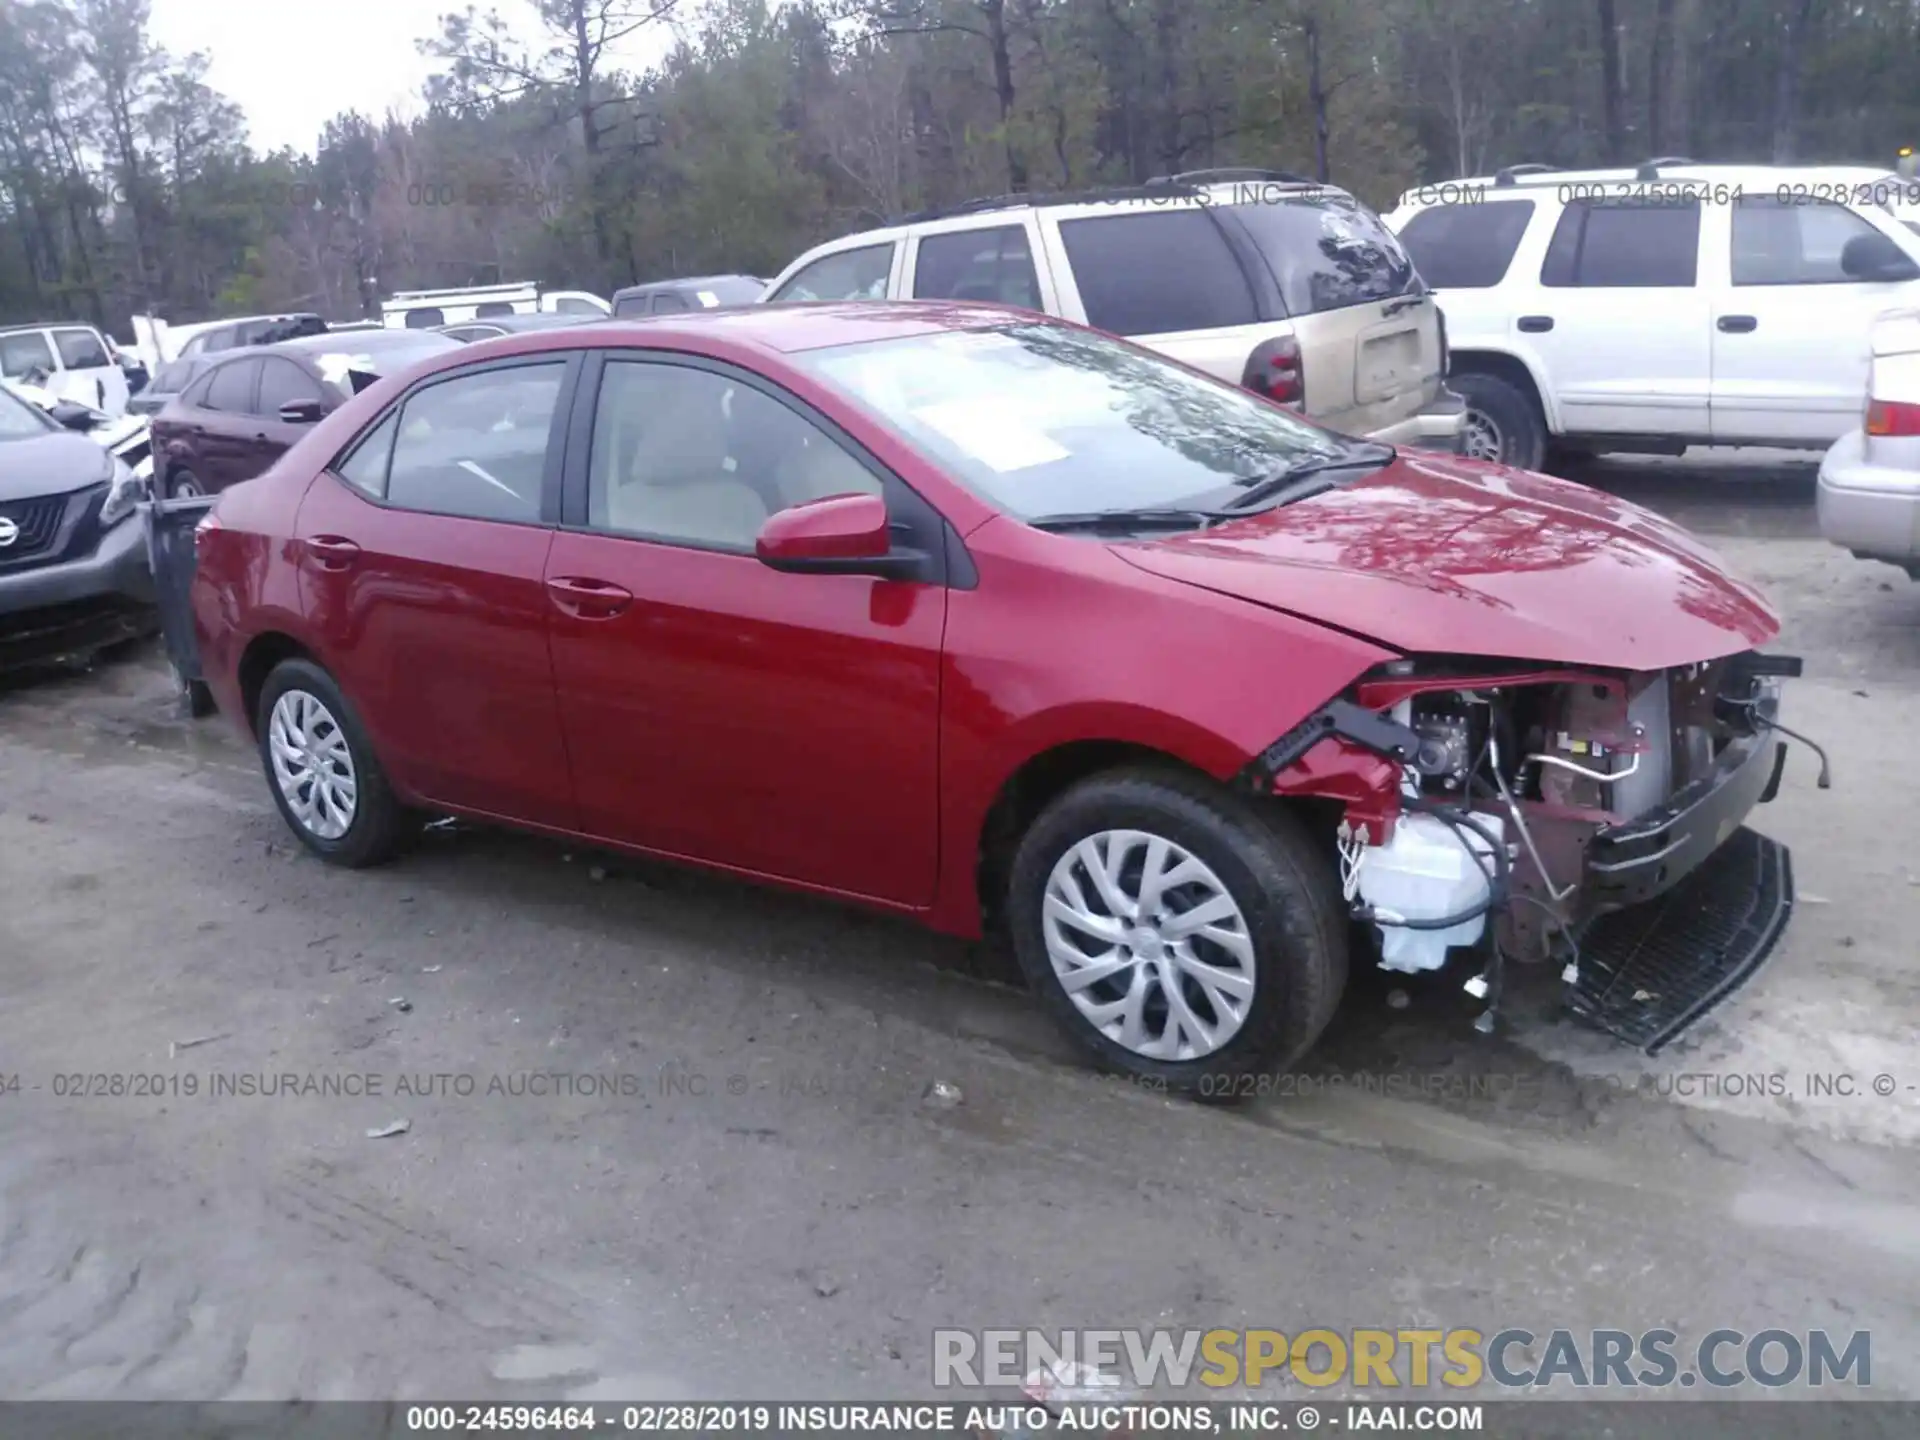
(1503, 425)
(182, 483)
(1177, 932)
(325, 777)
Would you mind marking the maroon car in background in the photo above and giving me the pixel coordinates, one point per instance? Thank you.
(998, 622)
(247, 409)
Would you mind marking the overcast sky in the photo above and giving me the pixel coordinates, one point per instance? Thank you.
(292, 65)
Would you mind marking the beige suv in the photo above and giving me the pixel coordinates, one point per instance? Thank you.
(1293, 289)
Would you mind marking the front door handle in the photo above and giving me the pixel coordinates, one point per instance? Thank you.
(1535, 324)
(1738, 324)
(587, 598)
(334, 552)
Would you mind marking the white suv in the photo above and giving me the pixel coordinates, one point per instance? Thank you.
(1259, 278)
(1661, 307)
(73, 362)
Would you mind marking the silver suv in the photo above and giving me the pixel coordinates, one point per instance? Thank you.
(1261, 278)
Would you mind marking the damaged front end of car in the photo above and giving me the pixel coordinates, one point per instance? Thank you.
(1585, 817)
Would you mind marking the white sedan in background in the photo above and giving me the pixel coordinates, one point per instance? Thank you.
(1869, 493)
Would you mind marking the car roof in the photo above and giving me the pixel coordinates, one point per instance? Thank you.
(1520, 179)
(538, 320)
(819, 324)
(775, 329)
(649, 287)
(1222, 187)
(387, 337)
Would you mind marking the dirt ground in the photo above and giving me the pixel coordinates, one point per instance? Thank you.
(670, 1137)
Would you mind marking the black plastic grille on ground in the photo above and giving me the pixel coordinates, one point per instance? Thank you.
(1648, 972)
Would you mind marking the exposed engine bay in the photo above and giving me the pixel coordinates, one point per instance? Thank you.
(1505, 811)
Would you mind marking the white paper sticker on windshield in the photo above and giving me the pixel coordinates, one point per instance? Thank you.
(707, 298)
(984, 431)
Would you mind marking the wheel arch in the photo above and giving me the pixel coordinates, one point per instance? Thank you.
(257, 661)
(1517, 371)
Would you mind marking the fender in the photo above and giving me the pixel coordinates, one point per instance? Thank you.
(1213, 680)
(1523, 356)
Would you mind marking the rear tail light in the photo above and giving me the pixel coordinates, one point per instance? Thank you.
(1275, 371)
(1892, 417)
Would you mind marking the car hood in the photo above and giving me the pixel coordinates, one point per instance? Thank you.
(1440, 556)
(51, 464)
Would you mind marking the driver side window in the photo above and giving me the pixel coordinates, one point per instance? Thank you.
(699, 458)
(476, 445)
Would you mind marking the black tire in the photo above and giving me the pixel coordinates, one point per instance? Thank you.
(380, 823)
(196, 697)
(1283, 881)
(183, 482)
(1512, 415)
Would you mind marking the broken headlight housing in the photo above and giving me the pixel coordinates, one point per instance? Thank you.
(124, 493)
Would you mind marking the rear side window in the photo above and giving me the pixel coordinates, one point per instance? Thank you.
(573, 305)
(993, 265)
(1157, 273)
(476, 445)
(173, 378)
(666, 302)
(630, 305)
(1609, 245)
(80, 349)
(22, 353)
(1326, 252)
(1793, 241)
(282, 381)
(492, 309)
(425, 319)
(845, 275)
(1466, 247)
(365, 466)
(231, 388)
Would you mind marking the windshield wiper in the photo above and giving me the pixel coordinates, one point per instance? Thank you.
(1126, 520)
(1308, 477)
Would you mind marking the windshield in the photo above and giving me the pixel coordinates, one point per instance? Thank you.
(1042, 420)
(1326, 252)
(20, 420)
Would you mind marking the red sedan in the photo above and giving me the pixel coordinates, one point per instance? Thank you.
(996, 621)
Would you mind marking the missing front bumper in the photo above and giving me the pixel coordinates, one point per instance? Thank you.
(1650, 971)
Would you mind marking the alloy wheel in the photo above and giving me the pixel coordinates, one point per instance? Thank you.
(312, 764)
(1480, 437)
(1149, 945)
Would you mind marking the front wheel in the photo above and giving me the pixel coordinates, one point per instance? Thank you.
(1502, 425)
(1178, 932)
(325, 777)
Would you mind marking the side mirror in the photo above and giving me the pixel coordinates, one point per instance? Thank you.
(1877, 257)
(72, 415)
(300, 412)
(840, 535)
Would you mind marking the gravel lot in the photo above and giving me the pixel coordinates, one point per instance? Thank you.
(748, 1194)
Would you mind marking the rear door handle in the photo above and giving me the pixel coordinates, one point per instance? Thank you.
(1535, 324)
(587, 598)
(334, 552)
(1738, 324)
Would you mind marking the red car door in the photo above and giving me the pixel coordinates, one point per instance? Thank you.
(783, 724)
(423, 562)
